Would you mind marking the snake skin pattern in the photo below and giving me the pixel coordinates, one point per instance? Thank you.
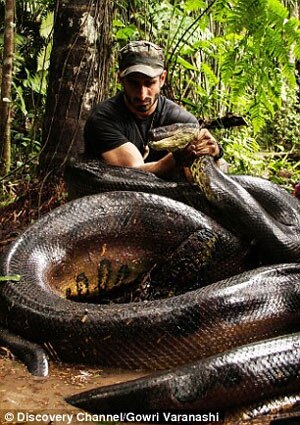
(240, 328)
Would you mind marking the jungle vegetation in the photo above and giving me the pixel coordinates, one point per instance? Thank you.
(223, 57)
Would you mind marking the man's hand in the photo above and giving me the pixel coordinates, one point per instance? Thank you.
(203, 144)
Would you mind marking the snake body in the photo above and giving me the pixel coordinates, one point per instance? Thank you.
(237, 376)
(225, 330)
(38, 310)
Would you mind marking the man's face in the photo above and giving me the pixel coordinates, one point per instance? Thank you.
(141, 92)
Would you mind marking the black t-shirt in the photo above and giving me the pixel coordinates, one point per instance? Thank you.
(111, 124)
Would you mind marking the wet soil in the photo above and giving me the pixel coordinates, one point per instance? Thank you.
(21, 393)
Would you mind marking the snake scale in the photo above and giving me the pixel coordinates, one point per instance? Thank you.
(227, 333)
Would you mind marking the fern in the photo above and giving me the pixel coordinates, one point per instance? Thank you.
(238, 56)
(277, 13)
(258, 61)
(209, 73)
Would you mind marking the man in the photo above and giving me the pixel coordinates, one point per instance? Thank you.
(117, 130)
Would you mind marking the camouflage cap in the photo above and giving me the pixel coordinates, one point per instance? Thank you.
(141, 56)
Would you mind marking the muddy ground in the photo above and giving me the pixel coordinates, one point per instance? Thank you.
(22, 393)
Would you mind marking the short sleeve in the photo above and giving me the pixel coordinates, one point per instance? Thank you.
(171, 113)
(102, 133)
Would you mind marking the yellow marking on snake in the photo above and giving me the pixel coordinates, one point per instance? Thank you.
(179, 140)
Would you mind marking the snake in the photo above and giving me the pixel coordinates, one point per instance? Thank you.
(214, 299)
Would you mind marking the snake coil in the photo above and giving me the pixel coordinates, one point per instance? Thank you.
(238, 334)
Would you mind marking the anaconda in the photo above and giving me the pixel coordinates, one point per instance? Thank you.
(76, 251)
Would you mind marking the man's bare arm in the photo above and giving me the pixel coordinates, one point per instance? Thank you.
(128, 155)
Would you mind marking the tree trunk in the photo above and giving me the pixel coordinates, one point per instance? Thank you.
(78, 77)
(5, 100)
(297, 14)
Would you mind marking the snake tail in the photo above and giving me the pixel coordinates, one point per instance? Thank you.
(30, 353)
(235, 376)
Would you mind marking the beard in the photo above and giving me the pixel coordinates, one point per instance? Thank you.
(143, 107)
(139, 106)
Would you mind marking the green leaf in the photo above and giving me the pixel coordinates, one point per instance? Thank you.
(193, 5)
(186, 64)
(276, 11)
(118, 23)
(12, 278)
(211, 76)
(47, 23)
(36, 82)
(43, 59)
(20, 97)
(126, 33)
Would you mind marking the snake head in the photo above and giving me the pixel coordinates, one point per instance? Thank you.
(172, 143)
(172, 137)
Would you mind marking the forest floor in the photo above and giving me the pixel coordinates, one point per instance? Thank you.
(30, 200)
(22, 393)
